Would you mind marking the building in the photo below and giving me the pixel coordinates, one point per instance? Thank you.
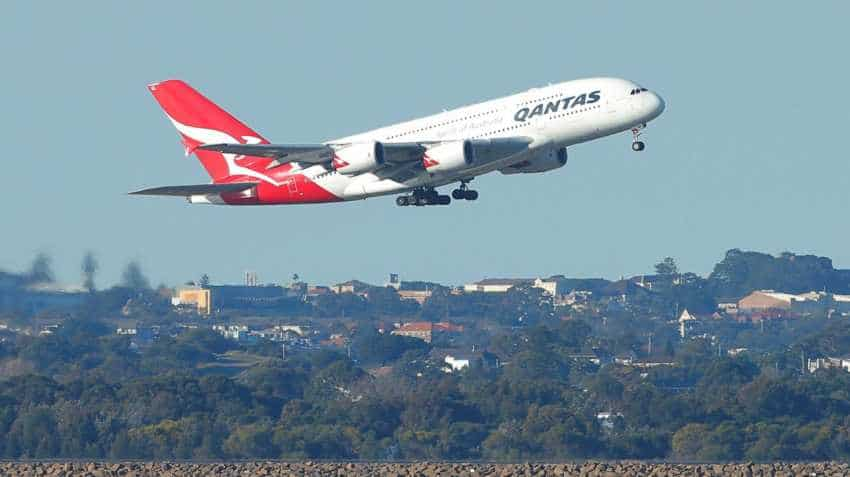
(419, 296)
(316, 290)
(801, 304)
(455, 364)
(828, 363)
(422, 330)
(418, 291)
(496, 285)
(549, 286)
(239, 333)
(196, 298)
(687, 322)
(352, 286)
(554, 286)
(427, 331)
(772, 300)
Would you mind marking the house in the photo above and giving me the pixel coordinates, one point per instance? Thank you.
(687, 323)
(608, 419)
(427, 331)
(800, 304)
(352, 286)
(335, 340)
(455, 364)
(418, 291)
(316, 290)
(195, 298)
(828, 363)
(239, 333)
(496, 285)
(422, 330)
(773, 300)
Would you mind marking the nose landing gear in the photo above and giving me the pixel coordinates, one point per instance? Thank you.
(637, 144)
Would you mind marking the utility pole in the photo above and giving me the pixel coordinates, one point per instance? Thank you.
(283, 350)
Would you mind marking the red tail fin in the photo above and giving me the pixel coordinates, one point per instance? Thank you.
(200, 121)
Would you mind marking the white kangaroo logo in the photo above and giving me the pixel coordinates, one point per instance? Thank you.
(212, 136)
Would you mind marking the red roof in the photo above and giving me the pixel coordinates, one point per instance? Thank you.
(445, 326)
(416, 326)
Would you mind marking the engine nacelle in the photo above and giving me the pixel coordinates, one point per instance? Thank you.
(359, 158)
(543, 161)
(449, 156)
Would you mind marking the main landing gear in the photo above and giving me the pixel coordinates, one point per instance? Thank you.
(423, 196)
(464, 192)
(637, 144)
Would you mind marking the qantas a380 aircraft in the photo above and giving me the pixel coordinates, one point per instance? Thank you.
(527, 132)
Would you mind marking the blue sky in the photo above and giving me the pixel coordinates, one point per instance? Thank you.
(750, 152)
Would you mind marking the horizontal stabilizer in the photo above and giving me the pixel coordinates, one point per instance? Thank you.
(199, 189)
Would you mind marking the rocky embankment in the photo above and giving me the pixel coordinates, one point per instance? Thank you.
(425, 469)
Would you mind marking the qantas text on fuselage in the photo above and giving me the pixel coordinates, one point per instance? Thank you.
(528, 132)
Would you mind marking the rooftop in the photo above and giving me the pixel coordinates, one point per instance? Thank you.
(504, 281)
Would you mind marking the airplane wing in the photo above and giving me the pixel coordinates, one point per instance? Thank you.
(396, 152)
(200, 189)
(309, 153)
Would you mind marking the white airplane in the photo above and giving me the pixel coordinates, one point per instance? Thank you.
(527, 132)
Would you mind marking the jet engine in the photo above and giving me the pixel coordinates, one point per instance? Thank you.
(359, 158)
(449, 156)
(543, 161)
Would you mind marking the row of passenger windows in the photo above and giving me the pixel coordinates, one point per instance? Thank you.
(637, 91)
(566, 113)
(444, 123)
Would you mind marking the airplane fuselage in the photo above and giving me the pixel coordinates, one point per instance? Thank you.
(549, 119)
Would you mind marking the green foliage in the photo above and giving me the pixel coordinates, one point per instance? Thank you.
(371, 347)
(740, 272)
(667, 267)
(41, 269)
(133, 278)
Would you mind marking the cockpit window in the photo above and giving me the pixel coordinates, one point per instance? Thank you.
(637, 91)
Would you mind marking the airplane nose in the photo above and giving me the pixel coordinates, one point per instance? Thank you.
(656, 104)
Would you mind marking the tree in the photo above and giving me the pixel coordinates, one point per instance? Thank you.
(667, 267)
(133, 277)
(41, 270)
(89, 268)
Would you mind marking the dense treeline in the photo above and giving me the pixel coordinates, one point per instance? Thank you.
(82, 392)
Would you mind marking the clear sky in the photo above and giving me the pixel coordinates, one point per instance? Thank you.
(750, 152)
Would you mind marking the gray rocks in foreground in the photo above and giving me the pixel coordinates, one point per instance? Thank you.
(425, 469)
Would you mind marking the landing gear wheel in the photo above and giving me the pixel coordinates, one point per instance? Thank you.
(421, 201)
(443, 200)
(402, 201)
(471, 195)
(457, 194)
(637, 144)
